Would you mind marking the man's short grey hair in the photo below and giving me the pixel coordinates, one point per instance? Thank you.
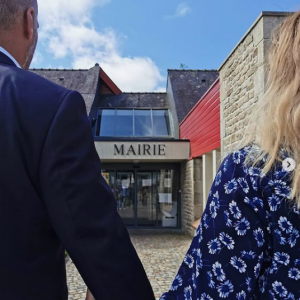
(10, 10)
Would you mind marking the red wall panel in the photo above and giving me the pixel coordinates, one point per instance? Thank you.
(202, 125)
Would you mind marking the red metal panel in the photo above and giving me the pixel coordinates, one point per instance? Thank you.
(215, 88)
(110, 84)
(203, 115)
(202, 125)
(206, 121)
(202, 110)
(104, 89)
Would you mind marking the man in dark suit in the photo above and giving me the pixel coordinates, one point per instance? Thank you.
(52, 194)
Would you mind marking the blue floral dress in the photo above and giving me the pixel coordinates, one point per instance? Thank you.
(247, 245)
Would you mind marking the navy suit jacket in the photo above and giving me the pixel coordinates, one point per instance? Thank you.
(53, 197)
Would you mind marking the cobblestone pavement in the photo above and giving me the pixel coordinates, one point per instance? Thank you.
(160, 252)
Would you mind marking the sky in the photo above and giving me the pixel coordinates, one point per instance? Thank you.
(137, 41)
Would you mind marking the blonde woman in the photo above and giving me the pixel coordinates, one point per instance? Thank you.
(247, 245)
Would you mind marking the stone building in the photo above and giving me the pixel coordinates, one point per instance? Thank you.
(137, 138)
(83, 81)
(243, 77)
(216, 123)
(161, 151)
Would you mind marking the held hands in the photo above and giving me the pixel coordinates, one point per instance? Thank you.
(89, 295)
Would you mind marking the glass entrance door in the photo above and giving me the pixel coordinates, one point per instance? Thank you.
(125, 197)
(167, 186)
(146, 199)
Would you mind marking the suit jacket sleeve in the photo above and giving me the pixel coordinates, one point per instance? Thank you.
(82, 208)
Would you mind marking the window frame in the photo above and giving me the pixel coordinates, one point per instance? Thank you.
(97, 130)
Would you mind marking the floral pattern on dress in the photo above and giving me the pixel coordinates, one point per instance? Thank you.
(247, 245)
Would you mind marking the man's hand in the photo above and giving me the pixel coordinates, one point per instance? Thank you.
(89, 295)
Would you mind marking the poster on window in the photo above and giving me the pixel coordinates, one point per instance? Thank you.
(125, 183)
(165, 197)
(106, 177)
(168, 182)
(147, 182)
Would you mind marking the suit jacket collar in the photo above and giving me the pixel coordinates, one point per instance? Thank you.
(6, 60)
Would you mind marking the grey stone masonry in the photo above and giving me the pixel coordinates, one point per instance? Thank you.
(243, 78)
(198, 193)
(187, 196)
(191, 194)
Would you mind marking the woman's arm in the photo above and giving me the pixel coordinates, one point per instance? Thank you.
(227, 254)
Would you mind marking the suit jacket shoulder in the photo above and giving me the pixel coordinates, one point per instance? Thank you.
(32, 87)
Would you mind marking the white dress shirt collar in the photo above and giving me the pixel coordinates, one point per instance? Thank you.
(7, 54)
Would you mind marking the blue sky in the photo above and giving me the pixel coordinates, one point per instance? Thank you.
(136, 41)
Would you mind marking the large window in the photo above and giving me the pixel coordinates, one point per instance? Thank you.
(133, 123)
(123, 123)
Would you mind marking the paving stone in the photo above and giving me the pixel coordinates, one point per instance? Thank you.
(160, 252)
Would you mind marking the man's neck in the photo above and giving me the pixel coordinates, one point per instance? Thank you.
(10, 56)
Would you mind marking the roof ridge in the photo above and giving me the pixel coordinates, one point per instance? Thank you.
(50, 69)
(144, 92)
(194, 70)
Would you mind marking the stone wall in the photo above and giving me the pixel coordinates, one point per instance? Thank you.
(243, 77)
(191, 194)
(198, 194)
(187, 195)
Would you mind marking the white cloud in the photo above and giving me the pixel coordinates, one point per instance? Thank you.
(137, 74)
(161, 89)
(68, 32)
(37, 58)
(181, 11)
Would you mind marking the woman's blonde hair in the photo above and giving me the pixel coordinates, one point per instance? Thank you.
(274, 123)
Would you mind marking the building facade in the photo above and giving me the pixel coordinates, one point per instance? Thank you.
(137, 138)
(140, 154)
(160, 152)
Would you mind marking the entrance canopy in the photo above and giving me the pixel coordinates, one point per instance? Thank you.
(143, 151)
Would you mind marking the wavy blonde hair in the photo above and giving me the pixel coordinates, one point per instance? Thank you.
(274, 123)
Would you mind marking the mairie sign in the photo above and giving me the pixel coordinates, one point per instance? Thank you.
(112, 151)
(140, 149)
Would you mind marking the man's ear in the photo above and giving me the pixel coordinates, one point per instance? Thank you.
(29, 18)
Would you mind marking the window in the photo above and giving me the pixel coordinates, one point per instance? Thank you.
(124, 123)
(107, 120)
(161, 123)
(133, 123)
(143, 123)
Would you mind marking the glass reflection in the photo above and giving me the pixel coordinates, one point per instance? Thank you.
(107, 122)
(167, 197)
(143, 123)
(124, 126)
(133, 122)
(161, 123)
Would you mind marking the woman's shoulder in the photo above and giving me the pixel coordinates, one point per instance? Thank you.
(275, 182)
(239, 162)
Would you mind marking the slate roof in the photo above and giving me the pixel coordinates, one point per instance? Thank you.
(132, 100)
(83, 81)
(188, 87)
